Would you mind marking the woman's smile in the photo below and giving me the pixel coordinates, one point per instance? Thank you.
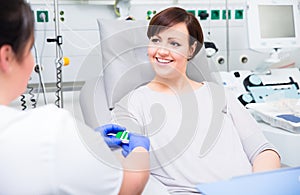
(163, 61)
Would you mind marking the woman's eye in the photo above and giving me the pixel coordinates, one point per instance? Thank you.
(175, 44)
(155, 40)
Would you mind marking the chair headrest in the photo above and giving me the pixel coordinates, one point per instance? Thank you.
(124, 57)
(125, 62)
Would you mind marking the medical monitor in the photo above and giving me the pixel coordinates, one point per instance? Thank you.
(273, 24)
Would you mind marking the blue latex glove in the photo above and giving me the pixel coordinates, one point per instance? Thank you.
(111, 140)
(135, 141)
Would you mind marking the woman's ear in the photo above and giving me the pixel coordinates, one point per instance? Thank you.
(192, 49)
(6, 56)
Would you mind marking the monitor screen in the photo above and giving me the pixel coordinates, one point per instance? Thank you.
(276, 21)
(273, 24)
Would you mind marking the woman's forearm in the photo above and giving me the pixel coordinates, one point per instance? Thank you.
(266, 161)
(136, 172)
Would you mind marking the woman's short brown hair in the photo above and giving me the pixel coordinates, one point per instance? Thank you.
(172, 16)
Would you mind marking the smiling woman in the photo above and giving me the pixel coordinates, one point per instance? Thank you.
(175, 38)
(203, 133)
(169, 52)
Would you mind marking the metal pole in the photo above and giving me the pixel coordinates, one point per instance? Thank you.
(227, 36)
(58, 61)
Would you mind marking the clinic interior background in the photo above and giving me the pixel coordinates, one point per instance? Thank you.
(80, 41)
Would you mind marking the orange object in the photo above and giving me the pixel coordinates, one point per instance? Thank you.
(66, 61)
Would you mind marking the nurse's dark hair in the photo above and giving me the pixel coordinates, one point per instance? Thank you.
(172, 16)
(16, 25)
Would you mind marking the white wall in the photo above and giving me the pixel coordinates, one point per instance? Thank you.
(80, 34)
(81, 39)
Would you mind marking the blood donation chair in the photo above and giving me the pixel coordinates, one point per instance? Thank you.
(125, 66)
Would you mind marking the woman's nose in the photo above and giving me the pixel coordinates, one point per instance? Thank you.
(163, 51)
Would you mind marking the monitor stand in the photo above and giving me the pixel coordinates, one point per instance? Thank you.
(274, 56)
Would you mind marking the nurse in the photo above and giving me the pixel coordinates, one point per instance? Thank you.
(45, 150)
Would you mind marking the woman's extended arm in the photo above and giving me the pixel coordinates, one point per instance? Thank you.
(136, 172)
(134, 158)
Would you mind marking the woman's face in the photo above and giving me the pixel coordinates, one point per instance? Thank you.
(169, 50)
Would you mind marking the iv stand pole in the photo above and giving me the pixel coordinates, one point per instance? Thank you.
(58, 61)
